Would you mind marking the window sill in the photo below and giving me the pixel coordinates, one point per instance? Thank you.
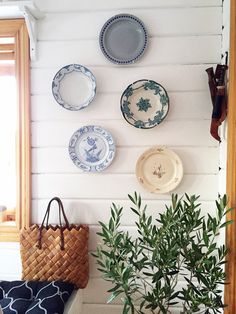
(9, 232)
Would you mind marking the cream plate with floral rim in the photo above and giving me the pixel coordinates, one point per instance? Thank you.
(159, 170)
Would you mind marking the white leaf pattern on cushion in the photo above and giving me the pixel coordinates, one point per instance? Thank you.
(34, 297)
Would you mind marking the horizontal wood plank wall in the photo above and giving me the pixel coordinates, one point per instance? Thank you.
(223, 130)
(184, 39)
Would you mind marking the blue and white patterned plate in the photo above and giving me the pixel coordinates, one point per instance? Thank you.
(144, 104)
(74, 87)
(92, 148)
(123, 39)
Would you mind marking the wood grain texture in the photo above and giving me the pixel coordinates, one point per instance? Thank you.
(230, 290)
(18, 30)
(23, 139)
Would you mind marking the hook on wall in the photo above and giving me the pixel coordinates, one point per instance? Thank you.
(225, 56)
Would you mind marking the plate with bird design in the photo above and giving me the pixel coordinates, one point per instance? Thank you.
(92, 148)
(144, 104)
(159, 170)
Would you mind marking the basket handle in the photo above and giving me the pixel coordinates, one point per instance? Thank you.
(46, 217)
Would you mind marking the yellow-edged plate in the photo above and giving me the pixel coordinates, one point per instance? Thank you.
(159, 170)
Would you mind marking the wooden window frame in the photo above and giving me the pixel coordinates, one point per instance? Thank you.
(17, 29)
(230, 289)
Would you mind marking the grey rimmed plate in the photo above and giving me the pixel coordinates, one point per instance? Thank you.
(144, 104)
(123, 39)
(74, 87)
(92, 148)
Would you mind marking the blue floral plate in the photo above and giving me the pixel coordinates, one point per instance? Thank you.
(144, 104)
(92, 148)
(74, 87)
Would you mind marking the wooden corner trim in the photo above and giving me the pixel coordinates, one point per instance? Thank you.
(230, 289)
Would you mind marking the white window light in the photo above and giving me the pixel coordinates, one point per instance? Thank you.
(27, 10)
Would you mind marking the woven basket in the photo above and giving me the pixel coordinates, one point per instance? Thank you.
(55, 252)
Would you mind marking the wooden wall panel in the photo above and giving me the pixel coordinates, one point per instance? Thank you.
(186, 105)
(71, 26)
(91, 211)
(57, 160)
(75, 5)
(87, 51)
(105, 186)
(115, 79)
(56, 134)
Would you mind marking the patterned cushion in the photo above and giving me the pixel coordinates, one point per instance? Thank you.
(34, 297)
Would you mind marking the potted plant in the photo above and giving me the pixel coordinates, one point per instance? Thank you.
(180, 246)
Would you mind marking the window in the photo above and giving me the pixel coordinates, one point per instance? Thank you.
(8, 122)
(15, 187)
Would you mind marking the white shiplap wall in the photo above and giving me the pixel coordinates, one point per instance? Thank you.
(185, 39)
(223, 128)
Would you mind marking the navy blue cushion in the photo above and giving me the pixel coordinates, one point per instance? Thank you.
(34, 297)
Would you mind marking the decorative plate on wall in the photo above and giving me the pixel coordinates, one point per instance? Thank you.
(123, 39)
(92, 148)
(144, 104)
(74, 87)
(159, 170)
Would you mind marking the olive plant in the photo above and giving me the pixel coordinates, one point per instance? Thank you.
(180, 246)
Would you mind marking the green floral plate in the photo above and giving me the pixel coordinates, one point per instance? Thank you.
(144, 104)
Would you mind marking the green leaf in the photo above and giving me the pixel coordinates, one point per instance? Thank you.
(149, 220)
(173, 296)
(228, 210)
(202, 278)
(172, 303)
(180, 241)
(126, 309)
(226, 223)
(114, 295)
(111, 225)
(135, 211)
(131, 198)
(205, 238)
(113, 214)
(108, 254)
(104, 226)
